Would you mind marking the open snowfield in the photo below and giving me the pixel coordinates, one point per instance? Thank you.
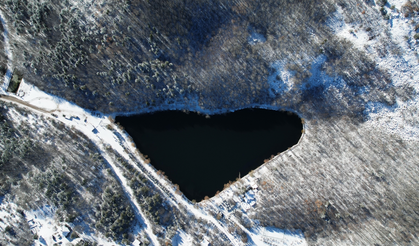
(404, 69)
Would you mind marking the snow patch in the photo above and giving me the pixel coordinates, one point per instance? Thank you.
(7, 213)
(353, 33)
(397, 3)
(281, 80)
(38, 98)
(181, 239)
(256, 38)
(336, 21)
(319, 77)
(248, 199)
(400, 118)
(273, 236)
(43, 223)
(402, 65)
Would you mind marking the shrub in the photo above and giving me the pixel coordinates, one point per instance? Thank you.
(381, 2)
(74, 235)
(244, 238)
(14, 83)
(71, 218)
(416, 36)
(3, 70)
(409, 8)
(10, 231)
(383, 11)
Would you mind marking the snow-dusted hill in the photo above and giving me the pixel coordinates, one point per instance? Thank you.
(351, 180)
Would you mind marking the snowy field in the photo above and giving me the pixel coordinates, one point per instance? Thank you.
(404, 70)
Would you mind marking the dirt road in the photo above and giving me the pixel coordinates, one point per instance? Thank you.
(23, 103)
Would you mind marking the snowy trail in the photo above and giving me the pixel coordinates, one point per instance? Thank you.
(173, 198)
(8, 53)
(35, 99)
(99, 141)
(131, 197)
(95, 127)
(387, 118)
(170, 193)
(24, 104)
(105, 136)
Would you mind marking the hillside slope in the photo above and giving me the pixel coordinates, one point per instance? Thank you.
(348, 68)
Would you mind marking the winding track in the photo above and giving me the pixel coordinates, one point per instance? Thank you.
(7, 98)
(128, 192)
(148, 172)
(8, 53)
(140, 165)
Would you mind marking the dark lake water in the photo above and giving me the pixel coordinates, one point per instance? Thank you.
(200, 154)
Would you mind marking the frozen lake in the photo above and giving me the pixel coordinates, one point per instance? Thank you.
(202, 154)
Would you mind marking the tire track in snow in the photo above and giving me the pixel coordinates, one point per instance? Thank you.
(8, 53)
(139, 164)
(7, 98)
(127, 190)
(170, 194)
(141, 218)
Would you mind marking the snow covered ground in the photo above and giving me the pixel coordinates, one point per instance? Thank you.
(403, 68)
(49, 231)
(7, 211)
(94, 125)
(280, 81)
(274, 236)
(43, 224)
(256, 38)
(401, 118)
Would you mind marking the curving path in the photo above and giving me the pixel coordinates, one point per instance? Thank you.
(146, 169)
(7, 98)
(9, 54)
(128, 192)
(162, 184)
